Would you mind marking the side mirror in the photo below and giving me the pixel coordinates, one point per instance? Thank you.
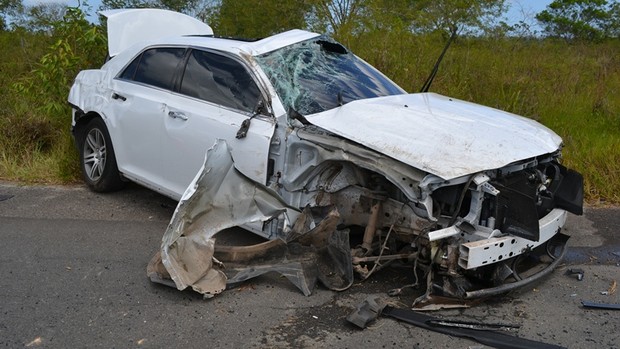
(262, 108)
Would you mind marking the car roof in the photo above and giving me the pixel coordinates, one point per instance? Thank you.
(237, 46)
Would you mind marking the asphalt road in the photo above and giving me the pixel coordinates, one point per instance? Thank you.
(72, 275)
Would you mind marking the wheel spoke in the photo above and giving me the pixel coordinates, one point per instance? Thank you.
(100, 140)
(91, 141)
(88, 158)
(92, 173)
(102, 164)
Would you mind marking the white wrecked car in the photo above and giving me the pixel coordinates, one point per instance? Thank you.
(315, 150)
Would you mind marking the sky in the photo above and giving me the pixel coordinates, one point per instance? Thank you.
(520, 10)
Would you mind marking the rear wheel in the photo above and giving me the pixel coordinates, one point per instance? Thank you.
(97, 158)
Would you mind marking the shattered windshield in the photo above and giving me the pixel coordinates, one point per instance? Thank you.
(320, 74)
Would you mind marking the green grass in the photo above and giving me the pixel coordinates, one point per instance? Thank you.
(573, 88)
(34, 147)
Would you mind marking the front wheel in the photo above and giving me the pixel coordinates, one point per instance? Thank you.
(97, 158)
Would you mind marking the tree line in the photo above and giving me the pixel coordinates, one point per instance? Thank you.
(592, 20)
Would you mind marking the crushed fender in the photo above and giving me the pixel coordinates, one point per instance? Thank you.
(220, 197)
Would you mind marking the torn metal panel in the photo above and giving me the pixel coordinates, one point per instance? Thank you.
(311, 252)
(219, 198)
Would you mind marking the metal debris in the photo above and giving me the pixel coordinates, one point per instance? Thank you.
(480, 326)
(594, 305)
(373, 307)
(577, 272)
(366, 312)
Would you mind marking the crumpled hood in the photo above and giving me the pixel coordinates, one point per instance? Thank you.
(444, 136)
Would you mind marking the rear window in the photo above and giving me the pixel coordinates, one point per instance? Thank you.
(155, 67)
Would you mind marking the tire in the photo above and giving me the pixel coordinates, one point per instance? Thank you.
(97, 159)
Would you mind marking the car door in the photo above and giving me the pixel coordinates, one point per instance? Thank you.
(138, 105)
(217, 93)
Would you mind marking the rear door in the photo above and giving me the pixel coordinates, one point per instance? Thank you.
(139, 108)
(217, 92)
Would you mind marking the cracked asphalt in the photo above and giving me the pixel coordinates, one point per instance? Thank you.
(73, 275)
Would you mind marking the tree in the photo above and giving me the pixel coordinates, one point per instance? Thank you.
(41, 17)
(581, 19)
(116, 4)
(8, 8)
(337, 16)
(458, 15)
(258, 18)
(78, 45)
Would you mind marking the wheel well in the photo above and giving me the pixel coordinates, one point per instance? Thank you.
(82, 120)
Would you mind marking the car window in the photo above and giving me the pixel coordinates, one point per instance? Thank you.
(221, 80)
(320, 74)
(154, 67)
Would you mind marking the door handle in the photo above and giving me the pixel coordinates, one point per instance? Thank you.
(117, 96)
(177, 115)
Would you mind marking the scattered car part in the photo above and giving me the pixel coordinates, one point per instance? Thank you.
(595, 305)
(473, 325)
(366, 312)
(373, 307)
(577, 272)
(491, 338)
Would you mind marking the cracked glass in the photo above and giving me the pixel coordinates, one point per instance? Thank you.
(320, 74)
